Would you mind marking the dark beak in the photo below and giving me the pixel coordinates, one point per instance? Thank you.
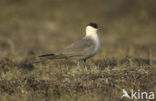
(100, 28)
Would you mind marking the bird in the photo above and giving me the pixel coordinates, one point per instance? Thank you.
(80, 50)
(125, 94)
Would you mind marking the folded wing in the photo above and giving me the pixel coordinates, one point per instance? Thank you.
(78, 50)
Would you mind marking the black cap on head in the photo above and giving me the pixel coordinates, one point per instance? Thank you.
(93, 25)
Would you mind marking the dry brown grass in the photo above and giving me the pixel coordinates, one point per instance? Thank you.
(127, 59)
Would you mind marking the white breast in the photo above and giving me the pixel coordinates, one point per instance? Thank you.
(97, 42)
(95, 38)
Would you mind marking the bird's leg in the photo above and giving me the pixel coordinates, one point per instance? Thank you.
(78, 65)
(85, 65)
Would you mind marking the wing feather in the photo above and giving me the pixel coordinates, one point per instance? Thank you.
(80, 49)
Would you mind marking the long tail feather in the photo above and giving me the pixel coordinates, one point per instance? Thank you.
(50, 56)
(46, 55)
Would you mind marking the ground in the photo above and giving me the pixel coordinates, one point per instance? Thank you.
(126, 60)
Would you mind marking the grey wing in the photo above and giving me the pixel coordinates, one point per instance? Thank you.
(79, 49)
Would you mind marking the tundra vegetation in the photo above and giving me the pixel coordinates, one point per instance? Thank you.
(29, 28)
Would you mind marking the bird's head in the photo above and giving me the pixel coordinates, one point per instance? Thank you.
(91, 28)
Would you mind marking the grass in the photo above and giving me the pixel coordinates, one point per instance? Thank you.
(127, 59)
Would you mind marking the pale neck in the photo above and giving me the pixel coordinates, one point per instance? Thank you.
(92, 34)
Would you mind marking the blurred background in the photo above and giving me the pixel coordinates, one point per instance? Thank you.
(32, 27)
